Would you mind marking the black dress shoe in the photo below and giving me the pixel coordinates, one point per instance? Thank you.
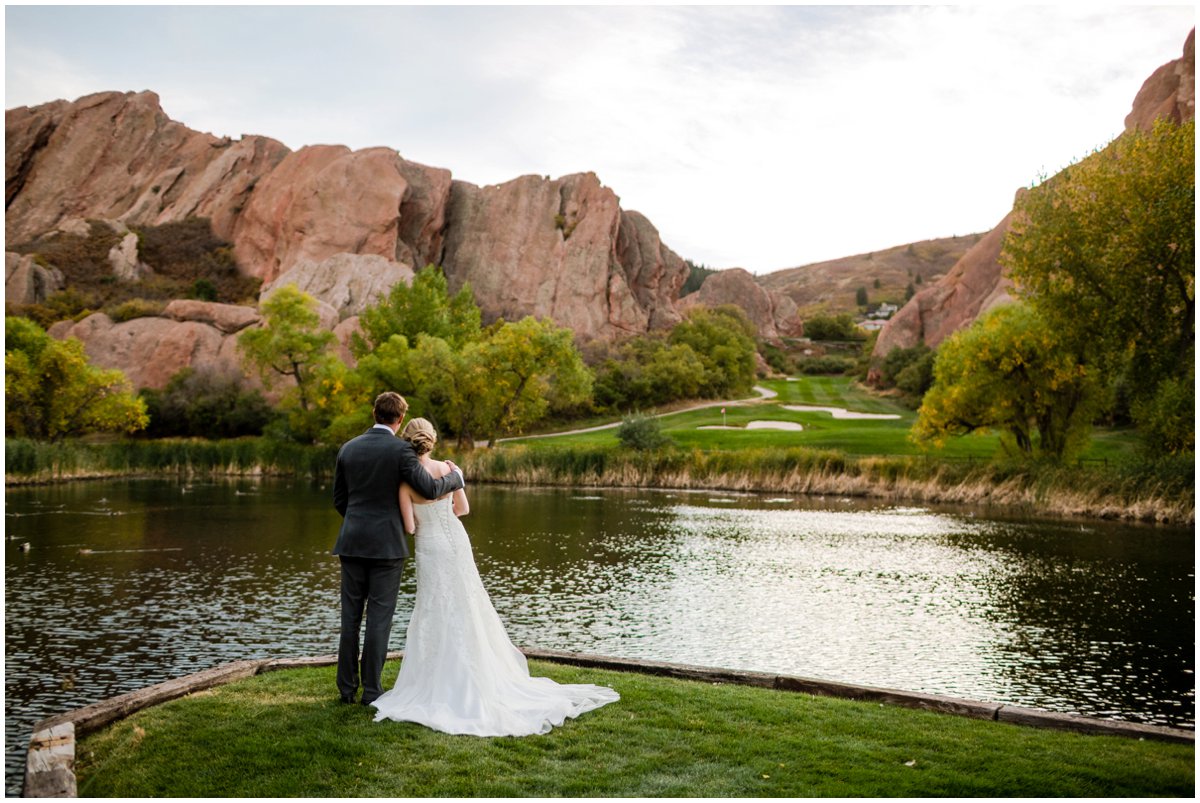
(367, 702)
(347, 700)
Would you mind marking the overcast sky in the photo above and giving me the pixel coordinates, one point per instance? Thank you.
(762, 137)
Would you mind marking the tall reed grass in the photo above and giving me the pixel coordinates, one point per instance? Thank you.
(1145, 490)
(27, 461)
(1160, 491)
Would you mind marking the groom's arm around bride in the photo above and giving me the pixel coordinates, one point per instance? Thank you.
(371, 544)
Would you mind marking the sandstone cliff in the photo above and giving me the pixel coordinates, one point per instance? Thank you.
(977, 283)
(343, 225)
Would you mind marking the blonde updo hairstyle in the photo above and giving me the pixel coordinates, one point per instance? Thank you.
(421, 434)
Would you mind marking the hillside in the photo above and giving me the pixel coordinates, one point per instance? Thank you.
(830, 287)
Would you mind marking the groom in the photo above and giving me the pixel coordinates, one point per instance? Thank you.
(371, 543)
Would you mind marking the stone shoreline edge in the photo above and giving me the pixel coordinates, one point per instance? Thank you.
(50, 762)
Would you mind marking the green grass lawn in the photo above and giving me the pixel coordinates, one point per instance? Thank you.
(822, 430)
(283, 734)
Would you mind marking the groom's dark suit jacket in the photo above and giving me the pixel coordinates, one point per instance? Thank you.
(366, 491)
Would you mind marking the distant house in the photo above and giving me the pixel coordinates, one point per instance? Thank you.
(884, 311)
(872, 325)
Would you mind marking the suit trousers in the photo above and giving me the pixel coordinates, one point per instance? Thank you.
(369, 585)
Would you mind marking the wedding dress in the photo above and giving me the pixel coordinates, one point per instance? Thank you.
(461, 673)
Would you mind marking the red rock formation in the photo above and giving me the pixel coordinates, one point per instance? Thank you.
(151, 350)
(773, 313)
(326, 199)
(26, 282)
(976, 283)
(347, 283)
(1169, 92)
(117, 155)
(561, 249)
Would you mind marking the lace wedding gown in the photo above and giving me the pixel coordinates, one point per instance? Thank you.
(460, 672)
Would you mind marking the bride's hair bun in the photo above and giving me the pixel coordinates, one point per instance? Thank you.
(421, 434)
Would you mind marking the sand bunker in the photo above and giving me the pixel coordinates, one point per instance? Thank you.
(837, 412)
(788, 425)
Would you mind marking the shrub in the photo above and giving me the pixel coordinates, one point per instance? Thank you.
(828, 327)
(208, 404)
(825, 365)
(134, 308)
(642, 433)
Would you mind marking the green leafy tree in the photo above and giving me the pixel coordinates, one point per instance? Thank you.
(1011, 371)
(723, 339)
(290, 345)
(860, 297)
(696, 276)
(1105, 250)
(531, 366)
(504, 382)
(832, 327)
(424, 307)
(52, 392)
(206, 403)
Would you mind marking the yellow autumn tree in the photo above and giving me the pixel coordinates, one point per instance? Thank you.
(1011, 372)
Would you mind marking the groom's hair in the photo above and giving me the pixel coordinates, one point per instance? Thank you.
(390, 407)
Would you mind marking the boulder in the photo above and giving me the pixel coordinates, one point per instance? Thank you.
(226, 318)
(348, 283)
(27, 282)
(153, 349)
(774, 314)
(123, 257)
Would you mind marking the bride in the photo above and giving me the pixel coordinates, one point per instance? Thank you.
(460, 672)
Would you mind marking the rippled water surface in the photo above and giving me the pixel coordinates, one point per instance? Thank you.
(133, 582)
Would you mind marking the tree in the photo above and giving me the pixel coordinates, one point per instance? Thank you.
(837, 327)
(290, 344)
(1105, 250)
(1011, 371)
(860, 297)
(206, 403)
(531, 365)
(504, 382)
(51, 391)
(424, 307)
(723, 339)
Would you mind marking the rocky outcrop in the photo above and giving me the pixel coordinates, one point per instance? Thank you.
(977, 283)
(153, 349)
(117, 155)
(226, 318)
(560, 249)
(27, 282)
(326, 200)
(124, 260)
(973, 286)
(348, 283)
(773, 313)
(1169, 92)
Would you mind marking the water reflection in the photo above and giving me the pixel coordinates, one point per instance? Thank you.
(128, 583)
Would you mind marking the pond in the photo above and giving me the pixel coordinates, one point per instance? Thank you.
(127, 583)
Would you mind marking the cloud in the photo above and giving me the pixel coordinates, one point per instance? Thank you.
(763, 137)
